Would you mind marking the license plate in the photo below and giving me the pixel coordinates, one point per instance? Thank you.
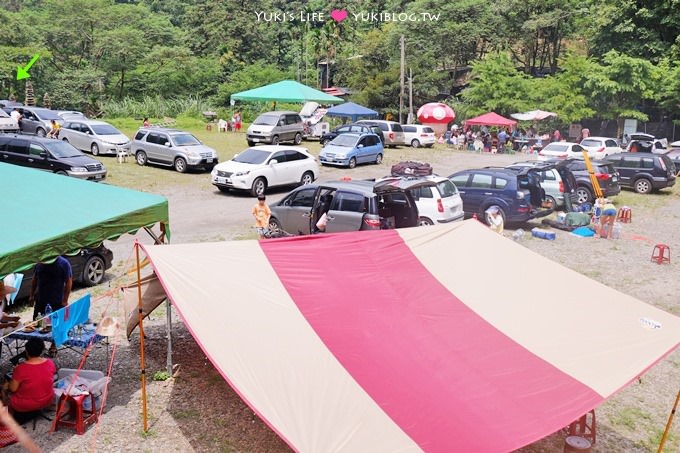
(98, 176)
(209, 160)
(254, 139)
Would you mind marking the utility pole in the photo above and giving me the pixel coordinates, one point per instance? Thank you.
(401, 80)
(410, 97)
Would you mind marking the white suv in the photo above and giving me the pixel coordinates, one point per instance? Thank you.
(438, 204)
(600, 147)
(418, 135)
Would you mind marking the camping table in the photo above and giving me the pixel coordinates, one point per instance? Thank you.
(77, 344)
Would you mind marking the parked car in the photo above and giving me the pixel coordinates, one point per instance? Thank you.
(94, 136)
(393, 132)
(440, 203)
(36, 120)
(353, 127)
(350, 149)
(51, 155)
(88, 267)
(275, 128)
(517, 194)
(418, 135)
(561, 151)
(172, 148)
(349, 206)
(639, 142)
(600, 147)
(674, 155)
(7, 123)
(606, 175)
(644, 172)
(557, 186)
(259, 168)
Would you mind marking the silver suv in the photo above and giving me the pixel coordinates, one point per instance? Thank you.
(172, 148)
(275, 128)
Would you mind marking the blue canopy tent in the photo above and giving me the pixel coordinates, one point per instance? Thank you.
(351, 110)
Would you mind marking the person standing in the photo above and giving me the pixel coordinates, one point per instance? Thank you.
(502, 140)
(261, 213)
(17, 116)
(146, 123)
(557, 137)
(237, 121)
(51, 285)
(607, 219)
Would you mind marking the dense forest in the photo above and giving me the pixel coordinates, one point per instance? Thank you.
(609, 59)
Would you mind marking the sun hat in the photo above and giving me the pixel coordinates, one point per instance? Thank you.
(6, 289)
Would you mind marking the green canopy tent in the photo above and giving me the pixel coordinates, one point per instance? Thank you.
(46, 215)
(286, 91)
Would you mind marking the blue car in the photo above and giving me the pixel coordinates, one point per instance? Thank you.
(348, 150)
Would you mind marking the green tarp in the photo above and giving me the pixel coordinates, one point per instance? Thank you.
(286, 91)
(45, 215)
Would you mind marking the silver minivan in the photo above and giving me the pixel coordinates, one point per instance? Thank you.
(275, 128)
(393, 132)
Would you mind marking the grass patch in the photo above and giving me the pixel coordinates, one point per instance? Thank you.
(185, 414)
(161, 376)
(630, 417)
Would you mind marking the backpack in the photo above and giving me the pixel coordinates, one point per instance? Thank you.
(411, 168)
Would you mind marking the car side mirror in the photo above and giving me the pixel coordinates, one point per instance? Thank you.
(360, 145)
(281, 123)
(235, 155)
(43, 154)
(273, 161)
(168, 144)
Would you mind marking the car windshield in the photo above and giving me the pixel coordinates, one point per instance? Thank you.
(185, 140)
(45, 114)
(447, 188)
(105, 129)
(556, 147)
(587, 142)
(252, 156)
(267, 120)
(344, 140)
(61, 149)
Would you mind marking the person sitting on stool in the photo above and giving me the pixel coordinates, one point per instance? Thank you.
(30, 388)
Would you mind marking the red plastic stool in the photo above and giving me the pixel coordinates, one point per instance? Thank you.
(584, 427)
(659, 254)
(625, 215)
(76, 416)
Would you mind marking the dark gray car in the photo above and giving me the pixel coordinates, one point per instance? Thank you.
(644, 172)
(349, 206)
(36, 120)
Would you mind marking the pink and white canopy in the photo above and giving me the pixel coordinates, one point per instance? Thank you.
(438, 339)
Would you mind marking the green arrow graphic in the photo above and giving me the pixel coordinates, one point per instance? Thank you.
(22, 73)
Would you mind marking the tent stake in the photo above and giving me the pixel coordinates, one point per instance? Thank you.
(668, 424)
(141, 337)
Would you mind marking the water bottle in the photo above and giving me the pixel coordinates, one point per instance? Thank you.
(616, 231)
(48, 314)
(518, 234)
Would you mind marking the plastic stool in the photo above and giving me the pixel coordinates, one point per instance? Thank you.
(574, 444)
(585, 427)
(659, 254)
(625, 215)
(78, 416)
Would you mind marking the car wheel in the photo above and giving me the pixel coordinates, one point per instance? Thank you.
(40, 132)
(259, 187)
(61, 173)
(324, 142)
(583, 195)
(415, 143)
(140, 157)
(307, 178)
(352, 162)
(298, 138)
(275, 140)
(223, 189)
(250, 143)
(274, 224)
(643, 186)
(180, 165)
(552, 201)
(95, 149)
(487, 217)
(424, 221)
(378, 159)
(65, 139)
(93, 271)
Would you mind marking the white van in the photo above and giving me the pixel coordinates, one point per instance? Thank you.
(275, 128)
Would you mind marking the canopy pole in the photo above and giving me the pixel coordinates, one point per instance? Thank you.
(669, 423)
(141, 337)
(168, 330)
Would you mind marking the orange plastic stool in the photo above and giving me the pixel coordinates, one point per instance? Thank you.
(77, 416)
(659, 254)
(625, 215)
(584, 427)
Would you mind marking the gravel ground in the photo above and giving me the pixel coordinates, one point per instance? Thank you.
(197, 411)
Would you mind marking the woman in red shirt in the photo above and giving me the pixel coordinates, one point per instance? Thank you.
(31, 384)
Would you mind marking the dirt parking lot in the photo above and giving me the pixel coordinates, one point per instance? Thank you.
(198, 411)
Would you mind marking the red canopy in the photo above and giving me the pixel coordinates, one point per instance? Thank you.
(490, 119)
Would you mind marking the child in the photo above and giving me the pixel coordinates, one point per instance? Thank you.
(261, 213)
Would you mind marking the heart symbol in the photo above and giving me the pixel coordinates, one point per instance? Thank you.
(339, 15)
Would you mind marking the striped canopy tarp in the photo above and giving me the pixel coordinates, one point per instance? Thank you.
(435, 339)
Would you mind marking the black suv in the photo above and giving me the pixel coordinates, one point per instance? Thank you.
(606, 175)
(352, 127)
(517, 194)
(644, 172)
(51, 155)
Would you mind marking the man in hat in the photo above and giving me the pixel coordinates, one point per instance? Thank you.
(51, 285)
